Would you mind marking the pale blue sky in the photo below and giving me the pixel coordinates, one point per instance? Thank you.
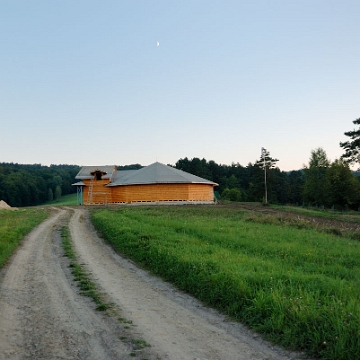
(84, 82)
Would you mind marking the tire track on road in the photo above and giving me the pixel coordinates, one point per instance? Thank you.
(42, 315)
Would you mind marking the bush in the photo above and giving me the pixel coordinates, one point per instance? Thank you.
(232, 194)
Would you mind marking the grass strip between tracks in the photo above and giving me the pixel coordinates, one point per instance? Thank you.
(88, 288)
(81, 276)
(14, 225)
(298, 286)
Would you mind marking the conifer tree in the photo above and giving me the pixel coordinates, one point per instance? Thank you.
(343, 186)
(352, 147)
(315, 189)
(263, 182)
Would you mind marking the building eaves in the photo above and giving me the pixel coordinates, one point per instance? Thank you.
(80, 183)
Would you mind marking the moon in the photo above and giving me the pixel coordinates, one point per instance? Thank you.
(157, 44)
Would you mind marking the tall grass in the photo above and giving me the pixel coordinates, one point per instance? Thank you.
(299, 287)
(14, 225)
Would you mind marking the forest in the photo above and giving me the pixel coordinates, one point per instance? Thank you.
(29, 185)
(321, 183)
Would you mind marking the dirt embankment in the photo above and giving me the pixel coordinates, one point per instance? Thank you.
(42, 315)
(5, 206)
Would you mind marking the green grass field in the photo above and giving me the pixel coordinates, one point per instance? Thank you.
(297, 286)
(66, 200)
(14, 225)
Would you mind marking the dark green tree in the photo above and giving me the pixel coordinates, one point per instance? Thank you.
(50, 195)
(232, 182)
(27, 185)
(343, 186)
(281, 186)
(232, 194)
(57, 192)
(130, 167)
(256, 186)
(352, 147)
(264, 181)
(266, 161)
(315, 187)
(296, 184)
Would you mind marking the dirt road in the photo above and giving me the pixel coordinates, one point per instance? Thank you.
(43, 316)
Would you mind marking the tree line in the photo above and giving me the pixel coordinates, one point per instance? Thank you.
(247, 183)
(29, 185)
(321, 183)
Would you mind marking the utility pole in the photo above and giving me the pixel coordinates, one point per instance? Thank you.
(263, 154)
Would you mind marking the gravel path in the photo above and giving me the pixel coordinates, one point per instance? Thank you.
(42, 315)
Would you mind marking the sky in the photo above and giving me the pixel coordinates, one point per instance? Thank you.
(121, 82)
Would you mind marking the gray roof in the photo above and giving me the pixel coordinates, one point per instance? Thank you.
(119, 174)
(156, 173)
(80, 183)
(85, 172)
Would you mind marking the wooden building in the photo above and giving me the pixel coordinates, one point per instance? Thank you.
(156, 183)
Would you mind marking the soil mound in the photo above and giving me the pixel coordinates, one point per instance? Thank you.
(5, 206)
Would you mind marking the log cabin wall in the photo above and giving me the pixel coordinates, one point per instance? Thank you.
(150, 193)
(162, 192)
(201, 192)
(119, 194)
(100, 193)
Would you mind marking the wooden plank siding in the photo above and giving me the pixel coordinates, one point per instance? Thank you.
(100, 193)
(147, 192)
(163, 192)
(201, 192)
